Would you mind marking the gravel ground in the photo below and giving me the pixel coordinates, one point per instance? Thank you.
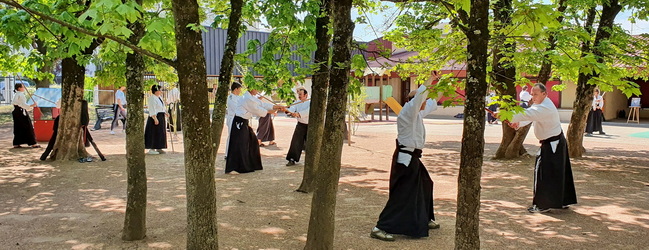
(46, 205)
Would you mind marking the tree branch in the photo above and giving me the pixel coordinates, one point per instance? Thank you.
(92, 33)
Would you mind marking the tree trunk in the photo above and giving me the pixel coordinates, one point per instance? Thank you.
(546, 67)
(467, 234)
(68, 144)
(584, 93)
(318, 98)
(199, 150)
(504, 76)
(136, 190)
(47, 67)
(225, 73)
(323, 204)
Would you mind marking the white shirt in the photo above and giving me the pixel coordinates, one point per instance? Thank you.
(173, 95)
(233, 103)
(155, 105)
(301, 108)
(250, 105)
(119, 95)
(545, 118)
(21, 101)
(410, 124)
(525, 96)
(598, 102)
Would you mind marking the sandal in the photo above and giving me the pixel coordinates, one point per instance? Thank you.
(35, 146)
(17, 146)
(262, 145)
(272, 143)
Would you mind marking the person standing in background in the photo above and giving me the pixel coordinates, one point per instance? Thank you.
(120, 110)
(155, 132)
(595, 116)
(173, 99)
(266, 129)
(525, 97)
(23, 127)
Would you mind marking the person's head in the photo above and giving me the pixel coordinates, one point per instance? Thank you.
(302, 94)
(235, 88)
(524, 87)
(122, 88)
(19, 87)
(539, 93)
(596, 92)
(412, 95)
(156, 89)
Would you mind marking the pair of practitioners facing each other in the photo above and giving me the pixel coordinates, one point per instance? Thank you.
(243, 154)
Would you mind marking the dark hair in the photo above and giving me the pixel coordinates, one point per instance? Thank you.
(541, 87)
(303, 91)
(524, 87)
(235, 85)
(155, 88)
(17, 86)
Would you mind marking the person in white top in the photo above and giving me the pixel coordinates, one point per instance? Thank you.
(553, 182)
(595, 116)
(174, 110)
(155, 132)
(409, 210)
(23, 127)
(243, 150)
(299, 110)
(232, 104)
(493, 107)
(120, 109)
(525, 97)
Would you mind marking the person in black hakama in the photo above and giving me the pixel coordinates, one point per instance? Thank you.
(553, 182)
(300, 111)
(23, 127)
(266, 129)
(243, 149)
(595, 116)
(155, 132)
(409, 210)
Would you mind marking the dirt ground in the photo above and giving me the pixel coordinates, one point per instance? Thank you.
(46, 205)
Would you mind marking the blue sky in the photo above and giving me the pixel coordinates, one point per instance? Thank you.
(379, 23)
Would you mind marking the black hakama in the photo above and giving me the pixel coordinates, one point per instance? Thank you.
(266, 130)
(297, 142)
(410, 203)
(594, 122)
(155, 136)
(553, 183)
(243, 148)
(176, 122)
(23, 127)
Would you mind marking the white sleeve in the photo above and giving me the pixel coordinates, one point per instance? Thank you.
(411, 108)
(253, 107)
(534, 113)
(21, 101)
(431, 105)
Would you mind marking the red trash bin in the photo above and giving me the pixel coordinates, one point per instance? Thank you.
(44, 128)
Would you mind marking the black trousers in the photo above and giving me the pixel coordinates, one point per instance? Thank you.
(243, 150)
(297, 142)
(23, 127)
(155, 136)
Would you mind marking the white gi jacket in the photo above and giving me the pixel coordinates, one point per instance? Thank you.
(250, 105)
(545, 117)
(302, 109)
(410, 124)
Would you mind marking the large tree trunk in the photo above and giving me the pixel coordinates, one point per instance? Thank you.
(199, 150)
(225, 72)
(136, 190)
(68, 144)
(318, 98)
(47, 67)
(584, 93)
(504, 75)
(546, 67)
(323, 204)
(467, 233)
